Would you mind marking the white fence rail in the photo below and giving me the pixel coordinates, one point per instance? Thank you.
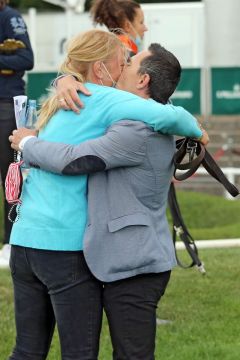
(211, 244)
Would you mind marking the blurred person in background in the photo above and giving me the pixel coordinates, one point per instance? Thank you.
(16, 57)
(125, 18)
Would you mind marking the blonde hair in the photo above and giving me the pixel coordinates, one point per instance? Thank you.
(83, 51)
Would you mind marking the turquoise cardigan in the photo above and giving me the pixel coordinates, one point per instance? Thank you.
(53, 213)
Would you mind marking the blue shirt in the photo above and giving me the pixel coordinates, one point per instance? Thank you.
(53, 213)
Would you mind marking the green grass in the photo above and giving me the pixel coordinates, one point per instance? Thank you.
(204, 311)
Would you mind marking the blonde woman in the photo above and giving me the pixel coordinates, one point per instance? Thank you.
(123, 17)
(50, 276)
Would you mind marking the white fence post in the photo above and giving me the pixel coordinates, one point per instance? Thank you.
(32, 29)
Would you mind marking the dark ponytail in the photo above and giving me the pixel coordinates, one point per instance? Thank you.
(113, 13)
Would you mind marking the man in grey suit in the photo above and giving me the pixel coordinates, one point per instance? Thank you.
(127, 243)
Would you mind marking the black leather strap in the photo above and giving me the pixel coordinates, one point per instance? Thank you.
(214, 170)
(180, 231)
(195, 151)
(198, 155)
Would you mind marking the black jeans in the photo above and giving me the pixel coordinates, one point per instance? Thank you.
(130, 306)
(7, 125)
(58, 284)
(49, 285)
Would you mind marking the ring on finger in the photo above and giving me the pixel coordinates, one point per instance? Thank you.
(60, 100)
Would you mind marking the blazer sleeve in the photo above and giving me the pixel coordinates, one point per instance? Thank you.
(124, 144)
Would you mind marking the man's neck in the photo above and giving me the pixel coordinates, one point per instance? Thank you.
(142, 93)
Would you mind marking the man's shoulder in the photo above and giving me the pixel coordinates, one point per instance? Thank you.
(131, 126)
(140, 128)
(14, 20)
(137, 132)
(9, 12)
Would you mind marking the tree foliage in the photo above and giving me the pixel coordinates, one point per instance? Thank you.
(38, 4)
(88, 2)
(44, 6)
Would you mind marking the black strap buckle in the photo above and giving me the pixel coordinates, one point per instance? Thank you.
(191, 149)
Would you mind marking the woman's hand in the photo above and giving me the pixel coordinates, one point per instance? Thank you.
(67, 88)
(204, 139)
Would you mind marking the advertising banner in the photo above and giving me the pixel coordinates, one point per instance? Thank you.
(38, 83)
(187, 93)
(225, 90)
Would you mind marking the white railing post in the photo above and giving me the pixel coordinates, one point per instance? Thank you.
(32, 29)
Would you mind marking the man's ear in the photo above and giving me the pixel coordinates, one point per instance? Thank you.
(143, 82)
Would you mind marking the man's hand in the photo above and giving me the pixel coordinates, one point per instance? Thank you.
(67, 92)
(18, 135)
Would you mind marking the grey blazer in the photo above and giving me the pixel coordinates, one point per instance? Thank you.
(130, 171)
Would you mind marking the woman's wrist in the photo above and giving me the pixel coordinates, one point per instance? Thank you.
(55, 81)
(202, 131)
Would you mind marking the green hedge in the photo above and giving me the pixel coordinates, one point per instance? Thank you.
(206, 216)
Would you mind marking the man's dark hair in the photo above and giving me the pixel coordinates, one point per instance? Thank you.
(164, 70)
